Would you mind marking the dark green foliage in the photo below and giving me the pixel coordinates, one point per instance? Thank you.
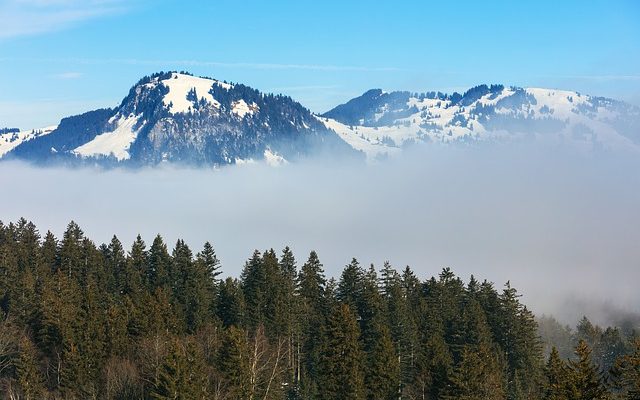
(29, 376)
(182, 374)
(342, 374)
(80, 321)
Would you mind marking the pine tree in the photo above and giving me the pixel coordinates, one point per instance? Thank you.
(230, 303)
(29, 376)
(626, 373)
(233, 362)
(157, 273)
(350, 285)
(313, 314)
(210, 265)
(182, 374)
(70, 259)
(381, 367)
(587, 383)
(342, 372)
(557, 378)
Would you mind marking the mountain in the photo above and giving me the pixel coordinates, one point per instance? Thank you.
(180, 118)
(381, 124)
(10, 138)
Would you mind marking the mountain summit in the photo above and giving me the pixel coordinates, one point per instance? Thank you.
(180, 118)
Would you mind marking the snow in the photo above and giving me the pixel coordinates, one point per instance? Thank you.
(179, 86)
(241, 108)
(241, 161)
(373, 149)
(272, 159)
(115, 143)
(434, 122)
(9, 141)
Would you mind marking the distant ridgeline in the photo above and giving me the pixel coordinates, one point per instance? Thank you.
(8, 130)
(179, 118)
(85, 321)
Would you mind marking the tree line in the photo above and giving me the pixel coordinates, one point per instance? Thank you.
(81, 321)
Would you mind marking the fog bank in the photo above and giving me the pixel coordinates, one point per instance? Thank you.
(563, 228)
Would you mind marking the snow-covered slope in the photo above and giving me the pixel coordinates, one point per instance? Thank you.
(115, 143)
(180, 118)
(381, 123)
(11, 140)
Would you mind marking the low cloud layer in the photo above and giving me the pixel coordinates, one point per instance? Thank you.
(563, 228)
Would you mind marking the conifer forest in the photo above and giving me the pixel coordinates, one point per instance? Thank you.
(159, 321)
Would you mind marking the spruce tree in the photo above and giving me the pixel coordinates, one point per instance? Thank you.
(587, 382)
(557, 378)
(626, 373)
(29, 377)
(233, 361)
(342, 373)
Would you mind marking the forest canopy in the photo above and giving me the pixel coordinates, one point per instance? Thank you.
(153, 322)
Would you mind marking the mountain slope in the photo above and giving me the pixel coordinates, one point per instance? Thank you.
(12, 138)
(381, 123)
(177, 117)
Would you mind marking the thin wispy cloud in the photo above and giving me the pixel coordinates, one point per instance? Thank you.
(30, 17)
(303, 88)
(601, 78)
(205, 63)
(68, 75)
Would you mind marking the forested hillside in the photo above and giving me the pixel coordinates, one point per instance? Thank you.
(82, 321)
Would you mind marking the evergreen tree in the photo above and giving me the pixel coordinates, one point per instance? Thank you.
(350, 285)
(626, 374)
(587, 383)
(313, 314)
(231, 303)
(182, 374)
(234, 363)
(556, 371)
(159, 265)
(342, 373)
(381, 367)
(210, 265)
(29, 376)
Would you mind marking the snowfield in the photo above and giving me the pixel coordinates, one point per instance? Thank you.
(11, 140)
(179, 87)
(115, 143)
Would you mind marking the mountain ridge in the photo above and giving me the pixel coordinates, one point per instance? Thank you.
(180, 118)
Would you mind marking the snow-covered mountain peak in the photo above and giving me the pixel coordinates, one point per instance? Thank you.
(379, 123)
(177, 117)
(187, 92)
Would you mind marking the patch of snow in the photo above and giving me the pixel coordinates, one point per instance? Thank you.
(241, 161)
(241, 108)
(273, 159)
(115, 143)
(179, 86)
(11, 140)
(372, 149)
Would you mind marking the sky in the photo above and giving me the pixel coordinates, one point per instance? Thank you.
(63, 57)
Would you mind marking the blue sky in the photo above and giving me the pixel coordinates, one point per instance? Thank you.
(60, 57)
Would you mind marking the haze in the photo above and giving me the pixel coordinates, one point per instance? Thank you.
(563, 228)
